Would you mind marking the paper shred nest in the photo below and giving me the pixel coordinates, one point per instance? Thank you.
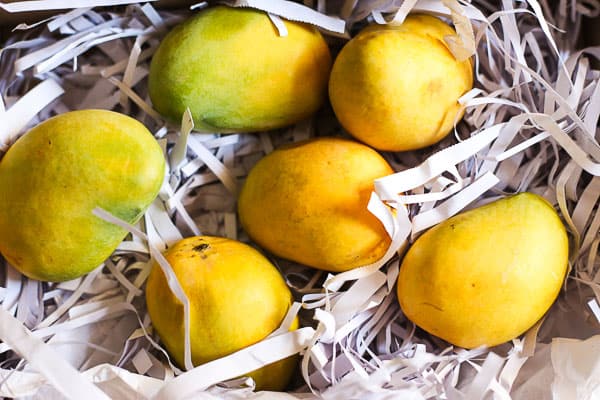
(531, 124)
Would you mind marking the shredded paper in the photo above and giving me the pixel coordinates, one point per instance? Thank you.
(530, 124)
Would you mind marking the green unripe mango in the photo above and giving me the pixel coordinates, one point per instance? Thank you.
(52, 178)
(235, 73)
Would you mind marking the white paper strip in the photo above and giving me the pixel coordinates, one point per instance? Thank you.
(37, 5)
(434, 165)
(279, 24)
(214, 164)
(65, 18)
(357, 296)
(171, 278)
(237, 364)
(22, 112)
(454, 204)
(577, 368)
(179, 150)
(75, 296)
(295, 12)
(45, 359)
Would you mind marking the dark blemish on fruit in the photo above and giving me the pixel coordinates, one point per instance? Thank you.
(433, 306)
(201, 247)
(200, 250)
(452, 226)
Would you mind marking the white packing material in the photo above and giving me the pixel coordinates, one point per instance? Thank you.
(531, 124)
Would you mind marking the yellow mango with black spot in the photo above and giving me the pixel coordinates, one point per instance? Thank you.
(237, 298)
(52, 178)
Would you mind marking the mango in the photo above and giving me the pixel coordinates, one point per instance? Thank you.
(307, 202)
(396, 88)
(235, 73)
(485, 276)
(237, 298)
(52, 178)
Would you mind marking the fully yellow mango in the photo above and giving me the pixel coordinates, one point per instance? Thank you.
(487, 275)
(307, 202)
(397, 87)
(57, 173)
(235, 73)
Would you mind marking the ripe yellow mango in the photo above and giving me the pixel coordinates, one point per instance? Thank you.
(52, 178)
(235, 73)
(307, 202)
(397, 87)
(237, 298)
(487, 275)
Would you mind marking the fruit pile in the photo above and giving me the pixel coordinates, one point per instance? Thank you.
(343, 204)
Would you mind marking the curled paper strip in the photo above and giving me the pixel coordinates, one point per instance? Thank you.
(271, 349)
(295, 12)
(17, 117)
(42, 357)
(462, 45)
(278, 23)
(37, 5)
(576, 365)
(171, 278)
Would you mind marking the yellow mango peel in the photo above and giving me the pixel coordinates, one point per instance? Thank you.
(236, 296)
(307, 202)
(487, 275)
(396, 88)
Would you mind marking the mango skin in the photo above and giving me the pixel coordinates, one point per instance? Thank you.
(487, 275)
(396, 88)
(307, 202)
(235, 73)
(237, 298)
(52, 178)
